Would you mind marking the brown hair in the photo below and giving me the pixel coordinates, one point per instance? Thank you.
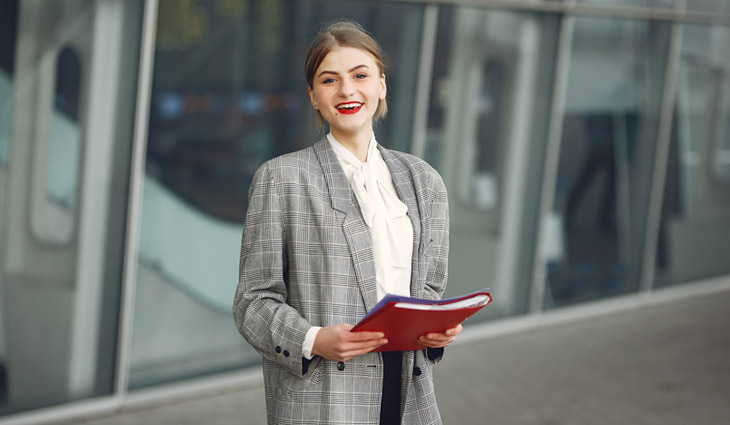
(342, 34)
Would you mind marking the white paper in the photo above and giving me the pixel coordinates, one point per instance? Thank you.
(469, 302)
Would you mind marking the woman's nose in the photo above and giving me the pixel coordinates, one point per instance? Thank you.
(346, 88)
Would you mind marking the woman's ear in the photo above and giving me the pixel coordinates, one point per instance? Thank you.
(312, 99)
(383, 87)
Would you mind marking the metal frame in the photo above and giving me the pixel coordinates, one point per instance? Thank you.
(552, 159)
(134, 208)
(425, 73)
(571, 7)
(661, 157)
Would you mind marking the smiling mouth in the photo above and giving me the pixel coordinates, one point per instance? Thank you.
(349, 107)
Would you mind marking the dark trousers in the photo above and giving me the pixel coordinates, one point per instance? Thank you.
(390, 404)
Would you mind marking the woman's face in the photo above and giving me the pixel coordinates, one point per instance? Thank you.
(347, 87)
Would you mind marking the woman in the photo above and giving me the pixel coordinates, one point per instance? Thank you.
(329, 231)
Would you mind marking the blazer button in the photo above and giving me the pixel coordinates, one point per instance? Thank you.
(340, 366)
(286, 353)
(277, 349)
(417, 371)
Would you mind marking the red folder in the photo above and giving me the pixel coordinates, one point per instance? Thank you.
(405, 319)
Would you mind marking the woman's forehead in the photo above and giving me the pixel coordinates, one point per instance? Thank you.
(346, 59)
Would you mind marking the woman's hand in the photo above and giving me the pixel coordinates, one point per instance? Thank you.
(337, 343)
(439, 340)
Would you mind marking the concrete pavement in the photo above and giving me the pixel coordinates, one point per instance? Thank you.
(665, 363)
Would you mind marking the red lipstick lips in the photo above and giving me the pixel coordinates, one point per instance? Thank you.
(349, 107)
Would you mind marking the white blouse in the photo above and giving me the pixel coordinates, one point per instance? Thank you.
(390, 228)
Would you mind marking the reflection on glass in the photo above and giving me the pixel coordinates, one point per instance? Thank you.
(694, 238)
(63, 211)
(8, 25)
(55, 213)
(228, 94)
(721, 147)
(61, 258)
(65, 149)
(609, 133)
(487, 127)
(491, 128)
(714, 6)
(6, 100)
(632, 3)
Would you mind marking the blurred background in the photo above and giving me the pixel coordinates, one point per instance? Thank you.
(585, 146)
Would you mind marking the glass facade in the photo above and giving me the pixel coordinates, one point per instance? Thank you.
(610, 124)
(632, 3)
(708, 6)
(495, 99)
(68, 74)
(694, 233)
(229, 93)
(492, 74)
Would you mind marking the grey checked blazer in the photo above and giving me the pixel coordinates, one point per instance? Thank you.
(306, 259)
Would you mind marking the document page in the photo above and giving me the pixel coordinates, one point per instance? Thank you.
(469, 302)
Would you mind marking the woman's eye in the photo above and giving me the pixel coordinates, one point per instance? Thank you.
(361, 76)
(328, 80)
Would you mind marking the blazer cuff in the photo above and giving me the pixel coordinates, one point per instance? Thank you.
(288, 353)
(308, 344)
(434, 355)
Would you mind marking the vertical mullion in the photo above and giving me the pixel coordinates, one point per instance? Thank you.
(425, 73)
(129, 279)
(552, 158)
(661, 156)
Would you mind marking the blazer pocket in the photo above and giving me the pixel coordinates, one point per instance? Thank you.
(291, 384)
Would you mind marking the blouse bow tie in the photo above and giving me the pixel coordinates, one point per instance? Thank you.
(379, 208)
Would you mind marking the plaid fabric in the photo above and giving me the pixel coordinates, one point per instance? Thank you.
(306, 259)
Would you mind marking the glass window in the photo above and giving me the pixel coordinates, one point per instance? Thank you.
(67, 92)
(58, 150)
(8, 33)
(615, 82)
(229, 93)
(8, 24)
(632, 3)
(487, 130)
(694, 237)
(714, 6)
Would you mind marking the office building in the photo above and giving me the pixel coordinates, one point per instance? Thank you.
(585, 146)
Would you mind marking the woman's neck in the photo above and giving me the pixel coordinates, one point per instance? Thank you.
(357, 144)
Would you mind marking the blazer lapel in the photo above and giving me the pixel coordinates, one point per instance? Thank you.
(356, 231)
(404, 186)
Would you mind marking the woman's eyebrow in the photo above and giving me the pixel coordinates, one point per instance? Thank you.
(358, 67)
(349, 70)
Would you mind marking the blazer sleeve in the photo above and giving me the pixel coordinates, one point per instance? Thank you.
(438, 251)
(273, 327)
(438, 248)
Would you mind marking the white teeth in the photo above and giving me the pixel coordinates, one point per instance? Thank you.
(349, 105)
